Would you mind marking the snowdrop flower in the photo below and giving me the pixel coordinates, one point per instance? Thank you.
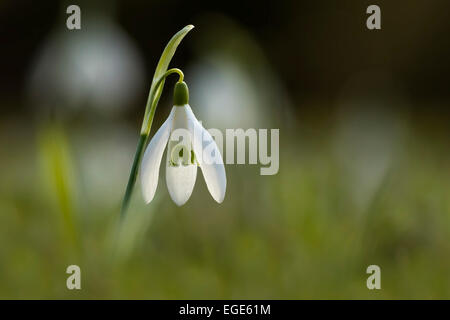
(188, 145)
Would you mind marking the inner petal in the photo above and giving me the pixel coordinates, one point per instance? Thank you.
(180, 153)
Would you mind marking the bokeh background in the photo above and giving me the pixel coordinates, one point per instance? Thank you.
(364, 150)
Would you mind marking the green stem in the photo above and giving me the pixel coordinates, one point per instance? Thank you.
(152, 101)
(133, 174)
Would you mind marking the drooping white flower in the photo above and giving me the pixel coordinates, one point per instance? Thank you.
(188, 145)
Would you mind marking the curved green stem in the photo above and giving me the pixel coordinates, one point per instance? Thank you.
(152, 101)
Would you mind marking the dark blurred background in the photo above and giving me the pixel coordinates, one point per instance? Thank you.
(364, 151)
(311, 45)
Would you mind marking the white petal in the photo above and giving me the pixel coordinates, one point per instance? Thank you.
(151, 161)
(180, 117)
(180, 182)
(181, 178)
(213, 171)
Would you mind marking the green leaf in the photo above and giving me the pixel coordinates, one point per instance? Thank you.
(161, 68)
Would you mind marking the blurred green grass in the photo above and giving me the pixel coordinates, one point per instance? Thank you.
(298, 234)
